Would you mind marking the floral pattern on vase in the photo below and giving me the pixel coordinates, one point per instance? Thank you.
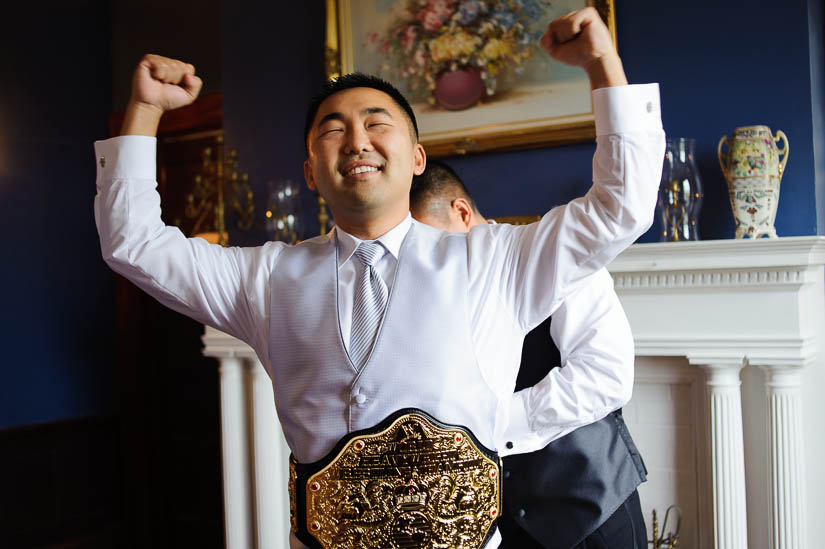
(753, 166)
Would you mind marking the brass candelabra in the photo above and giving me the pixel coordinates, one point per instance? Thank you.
(218, 189)
(323, 216)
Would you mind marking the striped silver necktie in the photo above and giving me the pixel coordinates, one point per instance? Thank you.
(369, 304)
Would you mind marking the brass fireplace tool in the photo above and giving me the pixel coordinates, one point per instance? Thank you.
(672, 539)
(218, 187)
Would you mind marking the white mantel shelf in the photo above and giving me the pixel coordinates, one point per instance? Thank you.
(726, 305)
(721, 254)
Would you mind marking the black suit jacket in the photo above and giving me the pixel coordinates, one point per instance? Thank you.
(559, 495)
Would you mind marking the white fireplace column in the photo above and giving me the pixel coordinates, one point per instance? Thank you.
(787, 486)
(255, 454)
(727, 454)
(236, 486)
(270, 458)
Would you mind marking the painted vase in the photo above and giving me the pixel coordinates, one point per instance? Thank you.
(753, 167)
(459, 89)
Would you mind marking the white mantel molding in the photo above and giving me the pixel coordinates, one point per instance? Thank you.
(689, 257)
(712, 348)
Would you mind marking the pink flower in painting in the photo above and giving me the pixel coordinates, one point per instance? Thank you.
(408, 38)
(429, 20)
(435, 13)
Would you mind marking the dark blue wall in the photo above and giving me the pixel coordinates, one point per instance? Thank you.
(272, 62)
(816, 31)
(719, 65)
(57, 297)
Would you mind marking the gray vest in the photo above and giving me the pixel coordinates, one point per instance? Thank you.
(422, 357)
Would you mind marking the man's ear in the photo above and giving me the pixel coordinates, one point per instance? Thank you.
(309, 177)
(419, 159)
(464, 211)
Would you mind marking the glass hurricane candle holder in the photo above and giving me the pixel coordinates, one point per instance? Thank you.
(283, 218)
(680, 192)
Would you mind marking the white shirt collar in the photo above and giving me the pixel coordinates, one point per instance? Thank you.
(391, 240)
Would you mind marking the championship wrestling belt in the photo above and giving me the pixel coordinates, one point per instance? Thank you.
(410, 481)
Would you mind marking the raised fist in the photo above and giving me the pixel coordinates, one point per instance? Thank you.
(164, 84)
(578, 38)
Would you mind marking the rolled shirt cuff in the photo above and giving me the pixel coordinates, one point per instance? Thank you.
(126, 157)
(625, 109)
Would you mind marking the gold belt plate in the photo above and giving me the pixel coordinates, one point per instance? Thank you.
(414, 484)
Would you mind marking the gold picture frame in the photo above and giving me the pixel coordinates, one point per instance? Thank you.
(517, 219)
(505, 120)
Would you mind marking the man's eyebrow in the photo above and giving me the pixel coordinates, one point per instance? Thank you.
(330, 116)
(376, 110)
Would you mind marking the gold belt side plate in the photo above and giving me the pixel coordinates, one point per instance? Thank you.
(293, 511)
(412, 485)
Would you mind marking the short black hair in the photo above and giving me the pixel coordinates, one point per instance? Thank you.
(436, 188)
(356, 80)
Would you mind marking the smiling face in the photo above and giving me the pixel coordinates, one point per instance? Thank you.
(362, 157)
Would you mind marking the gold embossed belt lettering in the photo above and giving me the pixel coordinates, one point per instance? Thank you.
(411, 481)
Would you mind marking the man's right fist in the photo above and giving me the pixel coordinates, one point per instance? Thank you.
(159, 84)
(164, 83)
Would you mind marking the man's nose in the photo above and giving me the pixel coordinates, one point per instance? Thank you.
(357, 141)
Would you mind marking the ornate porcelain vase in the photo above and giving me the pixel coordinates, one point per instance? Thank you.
(753, 167)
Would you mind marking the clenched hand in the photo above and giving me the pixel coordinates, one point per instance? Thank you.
(582, 39)
(159, 84)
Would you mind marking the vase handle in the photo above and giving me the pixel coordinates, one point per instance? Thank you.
(722, 163)
(783, 152)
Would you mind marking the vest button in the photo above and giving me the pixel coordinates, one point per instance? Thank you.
(506, 474)
(521, 513)
(360, 399)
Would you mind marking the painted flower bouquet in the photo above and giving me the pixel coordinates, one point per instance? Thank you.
(454, 51)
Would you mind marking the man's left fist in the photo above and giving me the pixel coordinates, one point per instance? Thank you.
(579, 38)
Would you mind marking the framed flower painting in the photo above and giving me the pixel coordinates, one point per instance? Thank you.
(473, 69)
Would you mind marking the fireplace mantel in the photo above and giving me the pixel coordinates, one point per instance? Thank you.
(760, 293)
(725, 305)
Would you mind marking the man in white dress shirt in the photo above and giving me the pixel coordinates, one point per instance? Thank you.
(579, 491)
(364, 373)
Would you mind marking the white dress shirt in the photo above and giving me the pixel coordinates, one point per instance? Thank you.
(517, 276)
